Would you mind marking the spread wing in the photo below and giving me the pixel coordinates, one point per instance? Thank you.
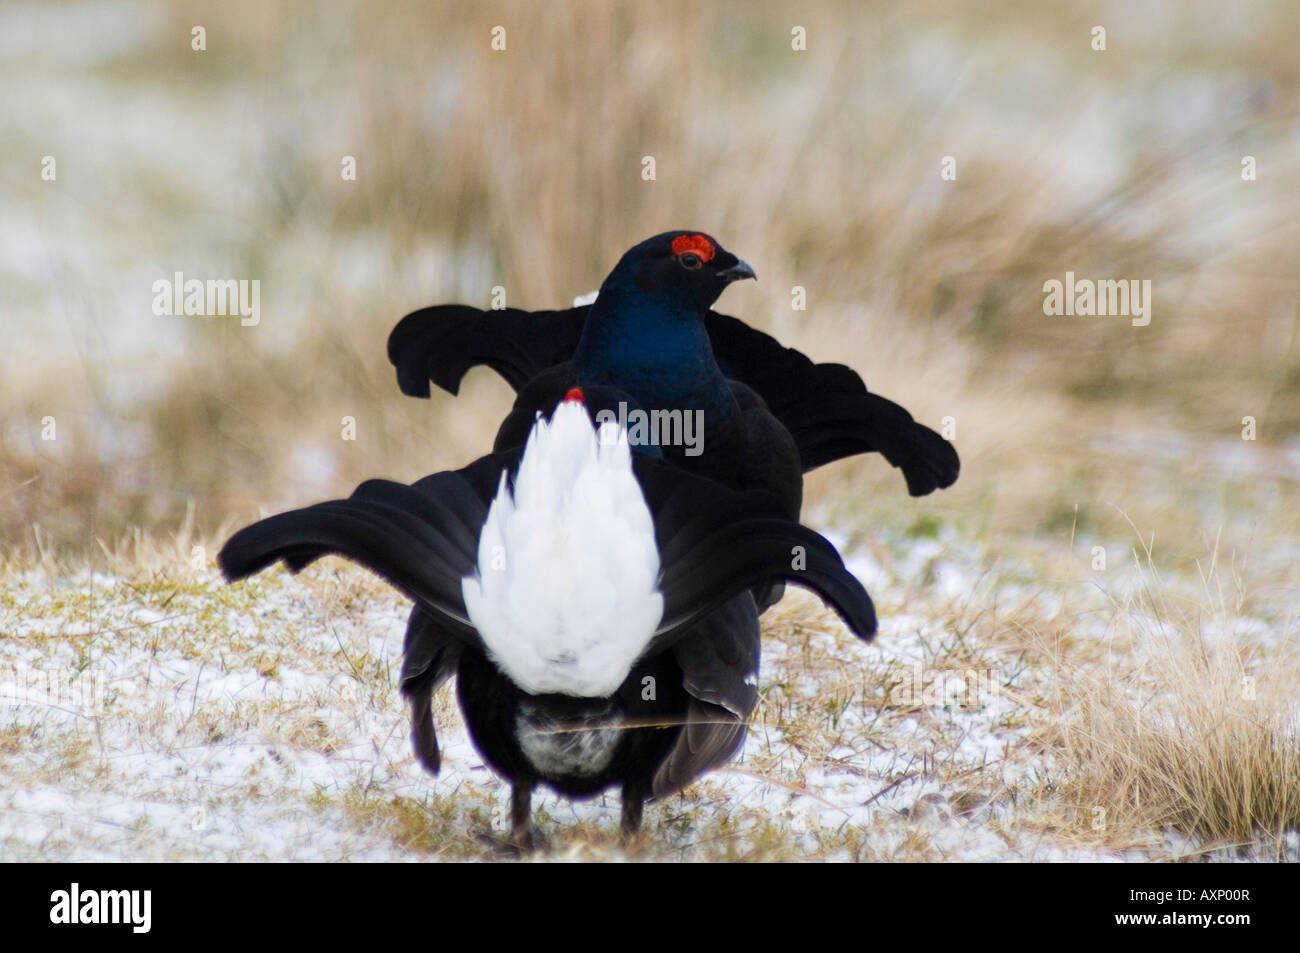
(826, 407)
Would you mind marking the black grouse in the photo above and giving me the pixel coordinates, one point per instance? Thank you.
(593, 603)
(652, 333)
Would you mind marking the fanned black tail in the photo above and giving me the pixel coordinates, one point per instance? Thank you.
(752, 551)
(715, 543)
(826, 407)
(421, 539)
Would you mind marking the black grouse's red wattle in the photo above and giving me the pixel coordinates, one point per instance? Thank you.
(622, 651)
(651, 332)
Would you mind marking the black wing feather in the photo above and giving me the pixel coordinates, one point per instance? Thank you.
(826, 407)
(719, 660)
(420, 542)
(442, 343)
(430, 654)
(715, 542)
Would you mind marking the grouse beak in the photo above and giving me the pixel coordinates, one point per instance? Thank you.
(736, 272)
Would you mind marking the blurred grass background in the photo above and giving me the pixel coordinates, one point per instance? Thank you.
(522, 168)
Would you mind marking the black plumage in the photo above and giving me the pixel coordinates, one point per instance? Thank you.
(715, 544)
(826, 408)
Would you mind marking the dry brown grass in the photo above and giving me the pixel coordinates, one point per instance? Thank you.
(821, 169)
(1191, 724)
(522, 169)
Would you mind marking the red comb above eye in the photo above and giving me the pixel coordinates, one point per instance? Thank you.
(694, 243)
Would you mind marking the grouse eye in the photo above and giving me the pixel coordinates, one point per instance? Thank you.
(691, 260)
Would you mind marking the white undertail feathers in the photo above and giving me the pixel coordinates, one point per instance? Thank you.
(565, 596)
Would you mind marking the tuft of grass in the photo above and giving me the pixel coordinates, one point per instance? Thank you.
(1198, 733)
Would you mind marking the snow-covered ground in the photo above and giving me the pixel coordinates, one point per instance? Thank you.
(159, 714)
(200, 721)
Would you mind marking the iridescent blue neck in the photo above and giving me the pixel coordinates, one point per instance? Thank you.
(650, 347)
